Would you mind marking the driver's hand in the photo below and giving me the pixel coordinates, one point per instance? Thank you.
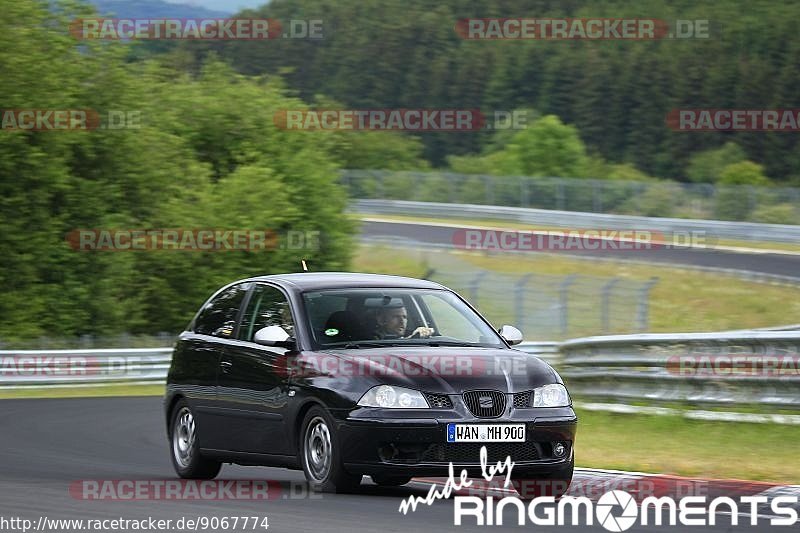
(422, 332)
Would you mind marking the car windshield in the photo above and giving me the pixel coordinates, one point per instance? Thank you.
(363, 318)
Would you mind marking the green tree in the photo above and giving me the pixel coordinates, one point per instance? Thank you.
(707, 167)
(546, 148)
(737, 193)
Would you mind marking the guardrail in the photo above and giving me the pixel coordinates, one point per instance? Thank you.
(750, 368)
(635, 373)
(659, 198)
(712, 229)
(69, 368)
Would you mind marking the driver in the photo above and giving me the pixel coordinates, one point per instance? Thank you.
(392, 323)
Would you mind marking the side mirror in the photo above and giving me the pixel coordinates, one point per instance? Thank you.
(273, 336)
(511, 334)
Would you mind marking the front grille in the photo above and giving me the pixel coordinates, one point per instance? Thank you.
(470, 452)
(523, 399)
(485, 403)
(439, 401)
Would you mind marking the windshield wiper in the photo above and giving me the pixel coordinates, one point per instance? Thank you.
(367, 344)
(446, 343)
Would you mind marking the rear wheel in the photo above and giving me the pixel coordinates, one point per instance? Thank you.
(186, 458)
(390, 481)
(554, 484)
(320, 454)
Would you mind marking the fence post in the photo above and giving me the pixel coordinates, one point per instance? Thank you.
(752, 201)
(605, 307)
(488, 190)
(642, 317)
(519, 299)
(563, 302)
(381, 189)
(597, 197)
(523, 192)
(164, 338)
(560, 196)
(474, 285)
(85, 341)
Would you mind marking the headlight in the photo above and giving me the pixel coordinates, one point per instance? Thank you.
(393, 398)
(554, 395)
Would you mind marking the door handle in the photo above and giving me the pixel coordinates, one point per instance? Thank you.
(226, 365)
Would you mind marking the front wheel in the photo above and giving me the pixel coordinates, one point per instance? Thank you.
(320, 454)
(186, 458)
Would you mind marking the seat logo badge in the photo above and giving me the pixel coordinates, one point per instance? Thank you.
(486, 402)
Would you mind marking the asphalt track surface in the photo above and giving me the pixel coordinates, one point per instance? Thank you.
(774, 264)
(50, 444)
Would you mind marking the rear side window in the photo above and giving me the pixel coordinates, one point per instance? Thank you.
(218, 317)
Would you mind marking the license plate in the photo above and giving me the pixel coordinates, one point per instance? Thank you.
(485, 432)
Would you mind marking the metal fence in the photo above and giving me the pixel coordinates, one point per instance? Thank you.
(547, 306)
(643, 198)
(543, 306)
(754, 369)
(90, 342)
(69, 368)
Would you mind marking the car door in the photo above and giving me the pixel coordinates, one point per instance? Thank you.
(202, 347)
(253, 384)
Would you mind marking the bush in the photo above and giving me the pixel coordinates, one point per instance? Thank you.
(776, 214)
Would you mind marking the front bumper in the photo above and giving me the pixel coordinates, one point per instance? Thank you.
(414, 443)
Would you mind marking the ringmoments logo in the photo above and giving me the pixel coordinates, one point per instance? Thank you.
(615, 510)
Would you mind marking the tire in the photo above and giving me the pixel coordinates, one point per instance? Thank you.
(320, 454)
(390, 481)
(184, 450)
(554, 484)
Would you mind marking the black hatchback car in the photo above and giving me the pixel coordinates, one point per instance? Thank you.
(344, 375)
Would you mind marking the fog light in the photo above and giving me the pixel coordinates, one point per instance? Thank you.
(559, 449)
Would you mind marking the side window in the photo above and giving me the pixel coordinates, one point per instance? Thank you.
(218, 317)
(267, 307)
(449, 321)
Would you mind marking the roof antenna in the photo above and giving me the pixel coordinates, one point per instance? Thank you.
(303, 262)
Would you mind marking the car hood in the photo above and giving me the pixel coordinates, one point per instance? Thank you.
(447, 370)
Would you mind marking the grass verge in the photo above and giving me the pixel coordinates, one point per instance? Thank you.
(674, 445)
(83, 392)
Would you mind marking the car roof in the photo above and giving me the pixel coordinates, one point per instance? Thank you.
(307, 281)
